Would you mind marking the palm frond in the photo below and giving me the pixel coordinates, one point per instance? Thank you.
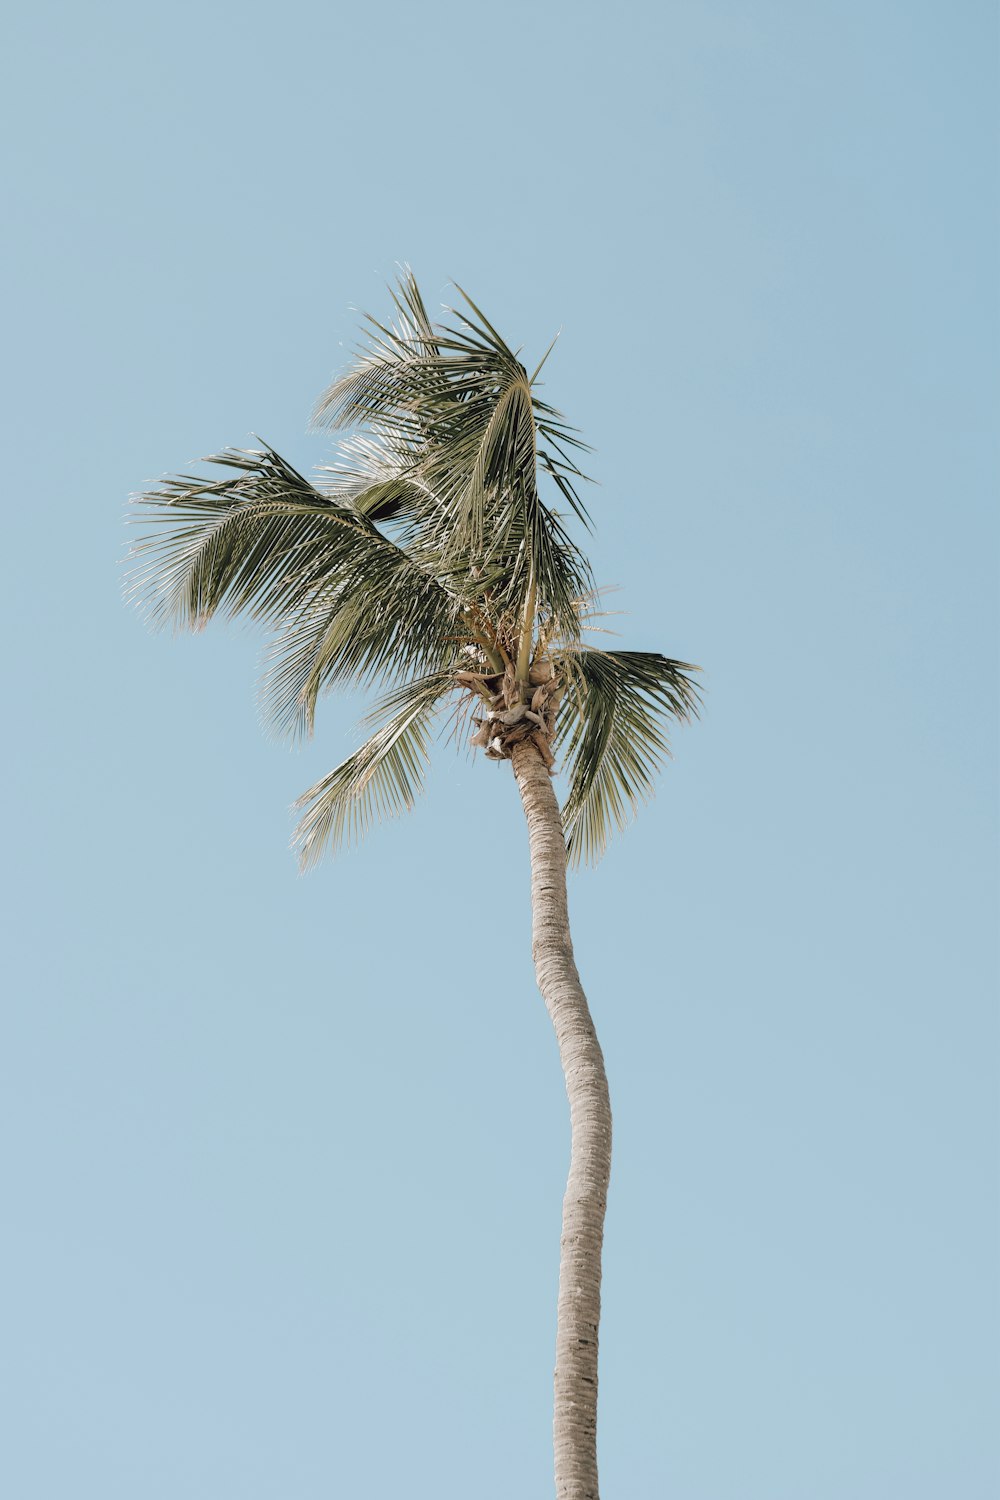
(612, 727)
(255, 541)
(349, 603)
(456, 423)
(386, 618)
(381, 481)
(379, 780)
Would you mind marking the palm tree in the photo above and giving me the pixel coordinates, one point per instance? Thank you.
(426, 562)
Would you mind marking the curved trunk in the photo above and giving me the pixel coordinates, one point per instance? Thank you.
(575, 1420)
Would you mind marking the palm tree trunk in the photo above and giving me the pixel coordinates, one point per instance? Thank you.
(575, 1419)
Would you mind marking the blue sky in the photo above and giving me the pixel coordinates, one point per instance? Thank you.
(283, 1157)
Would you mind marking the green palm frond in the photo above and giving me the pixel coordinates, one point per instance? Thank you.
(382, 482)
(379, 780)
(453, 414)
(388, 617)
(350, 604)
(255, 541)
(613, 731)
(551, 425)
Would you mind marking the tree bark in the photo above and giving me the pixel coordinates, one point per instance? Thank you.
(575, 1416)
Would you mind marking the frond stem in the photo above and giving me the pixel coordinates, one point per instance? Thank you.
(527, 627)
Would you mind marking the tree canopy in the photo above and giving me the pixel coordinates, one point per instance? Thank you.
(429, 562)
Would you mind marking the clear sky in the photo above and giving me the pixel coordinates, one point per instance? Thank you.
(282, 1157)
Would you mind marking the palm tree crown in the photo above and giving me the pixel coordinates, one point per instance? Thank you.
(425, 562)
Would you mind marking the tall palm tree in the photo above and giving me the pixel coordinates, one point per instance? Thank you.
(427, 563)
